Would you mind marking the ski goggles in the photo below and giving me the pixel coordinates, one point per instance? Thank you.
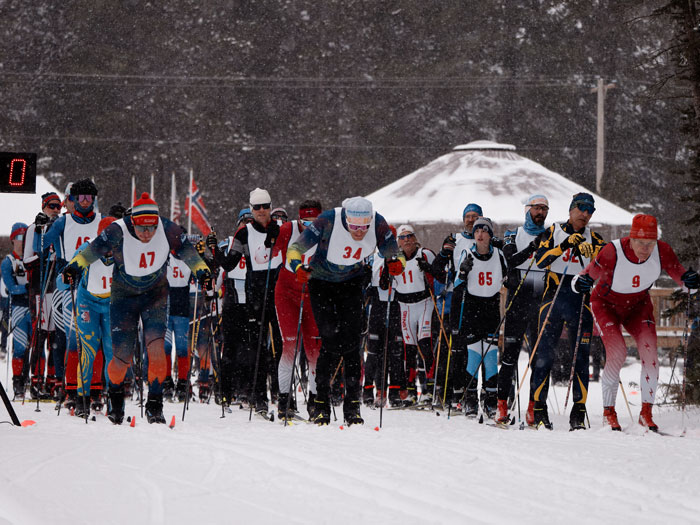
(307, 223)
(358, 227)
(87, 198)
(585, 207)
(18, 237)
(144, 229)
(265, 206)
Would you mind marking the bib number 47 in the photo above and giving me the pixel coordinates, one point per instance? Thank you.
(147, 259)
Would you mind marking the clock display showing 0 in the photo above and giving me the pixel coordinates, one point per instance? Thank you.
(17, 172)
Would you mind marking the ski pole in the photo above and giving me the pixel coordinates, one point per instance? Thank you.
(191, 350)
(80, 348)
(337, 369)
(386, 351)
(578, 342)
(685, 364)
(629, 410)
(296, 352)
(437, 355)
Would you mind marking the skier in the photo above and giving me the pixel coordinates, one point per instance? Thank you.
(454, 251)
(288, 296)
(519, 249)
(416, 304)
(255, 242)
(179, 315)
(623, 271)
(65, 236)
(92, 303)
(140, 244)
(14, 277)
(345, 237)
(565, 249)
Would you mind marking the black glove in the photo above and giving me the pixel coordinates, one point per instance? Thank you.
(448, 245)
(690, 279)
(203, 277)
(466, 267)
(273, 231)
(583, 283)
(71, 273)
(211, 241)
(497, 243)
(572, 240)
(424, 265)
(41, 219)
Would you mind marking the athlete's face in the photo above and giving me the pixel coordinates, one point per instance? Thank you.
(18, 246)
(642, 248)
(407, 242)
(70, 206)
(358, 235)
(579, 218)
(145, 233)
(261, 214)
(483, 239)
(469, 220)
(538, 212)
(52, 208)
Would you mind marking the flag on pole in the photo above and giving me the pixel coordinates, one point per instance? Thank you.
(197, 212)
(175, 212)
(133, 190)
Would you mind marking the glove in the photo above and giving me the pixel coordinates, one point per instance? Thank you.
(690, 279)
(586, 249)
(211, 241)
(466, 267)
(582, 283)
(200, 247)
(273, 231)
(303, 274)
(572, 240)
(71, 273)
(203, 277)
(41, 219)
(497, 243)
(394, 266)
(423, 265)
(448, 245)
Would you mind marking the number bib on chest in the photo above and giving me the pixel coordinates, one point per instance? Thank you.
(307, 255)
(412, 279)
(100, 278)
(571, 258)
(239, 272)
(75, 234)
(484, 279)
(630, 277)
(343, 250)
(256, 246)
(141, 259)
(178, 273)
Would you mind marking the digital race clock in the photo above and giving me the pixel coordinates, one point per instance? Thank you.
(17, 172)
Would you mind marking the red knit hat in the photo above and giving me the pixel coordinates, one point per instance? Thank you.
(106, 221)
(644, 227)
(144, 212)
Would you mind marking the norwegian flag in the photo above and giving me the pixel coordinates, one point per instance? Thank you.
(177, 212)
(199, 211)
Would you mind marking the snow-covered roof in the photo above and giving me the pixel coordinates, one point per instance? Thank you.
(490, 174)
(23, 207)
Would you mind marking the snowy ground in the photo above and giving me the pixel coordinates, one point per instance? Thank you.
(419, 468)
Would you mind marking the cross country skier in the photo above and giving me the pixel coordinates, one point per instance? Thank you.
(624, 270)
(140, 244)
(94, 329)
(288, 297)
(254, 242)
(345, 237)
(65, 236)
(566, 248)
(416, 303)
(14, 277)
(179, 315)
(454, 250)
(521, 319)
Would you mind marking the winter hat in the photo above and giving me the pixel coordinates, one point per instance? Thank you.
(310, 209)
(245, 213)
(117, 210)
(259, 196)
(144, 212)
(537, 199)
(582, 198)
(48, 197)
(644, 227)
(279, 211)
(106, 221)
(405, 228)
(472, 207)
(483, 223)
(83, 187)
(18, 228)
(358, 211)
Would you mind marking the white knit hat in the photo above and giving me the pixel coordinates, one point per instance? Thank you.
(358, 210)
(259, 196)
(405, 228)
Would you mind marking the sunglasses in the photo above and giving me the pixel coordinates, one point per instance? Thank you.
(88, 198)
(407, 236)
(19, 237)
(358, 227)
(583, 206)
(265, 206)
(307, 223)
(53, 206)
(143, 229)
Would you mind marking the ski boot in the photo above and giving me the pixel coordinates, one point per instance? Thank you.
(49, 387)
(411, 396)
(82, 406)
(115, 405)
(286, 407)
(502, 412)
(18, 387)
(471, 404)
(168, 388)
(261, 405)
(610, 418)
(204, 392)
(380, 399)
(541, 416)
(489, 403)
(311, 406)
(322, 412)
(530, 414)
(577, 418)
(426, 393)
(351, 413)
(182, 390)
(154, 409)
(368, 395)
(35, 389)
(645, 418)
(70, 401)
(395, 397)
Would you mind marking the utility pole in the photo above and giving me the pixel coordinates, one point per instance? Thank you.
(601, 89)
